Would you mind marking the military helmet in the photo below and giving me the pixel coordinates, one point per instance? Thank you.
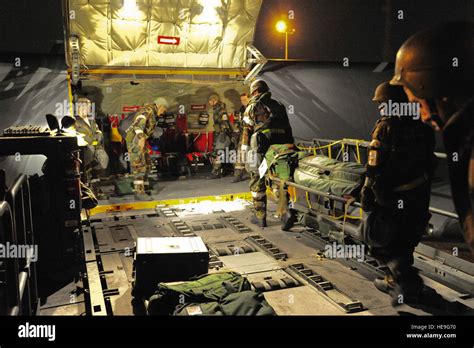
(260, 86)
(213, 96)
(437, 62)
(385, 92)
(161, 102)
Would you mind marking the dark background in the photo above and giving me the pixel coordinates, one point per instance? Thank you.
(363, 30)
(326, 30)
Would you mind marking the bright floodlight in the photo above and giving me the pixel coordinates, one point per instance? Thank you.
(281, 26)
(130, 10)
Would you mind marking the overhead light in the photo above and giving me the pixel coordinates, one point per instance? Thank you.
(130, 10)
(209, 12)
(281, 26)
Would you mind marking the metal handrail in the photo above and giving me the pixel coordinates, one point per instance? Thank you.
(18, 199)
(353, 142)
(347, 200)
(6, 221)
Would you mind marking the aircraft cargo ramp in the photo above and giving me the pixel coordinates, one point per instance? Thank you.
(291, 268)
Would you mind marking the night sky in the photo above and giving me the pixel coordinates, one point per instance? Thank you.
(363, 30)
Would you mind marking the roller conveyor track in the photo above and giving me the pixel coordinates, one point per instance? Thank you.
(344, 286)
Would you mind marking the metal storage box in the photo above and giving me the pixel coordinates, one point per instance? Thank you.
(167, 259)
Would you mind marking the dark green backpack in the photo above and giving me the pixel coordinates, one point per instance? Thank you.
(248, 303)
(204, 289)
(282, 160)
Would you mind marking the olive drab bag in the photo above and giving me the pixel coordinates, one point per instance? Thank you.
(124, 186)
(282, 160)
(242, 303)
(203, 289)
(328, 175)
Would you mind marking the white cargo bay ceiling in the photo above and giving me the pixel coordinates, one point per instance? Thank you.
(124, 33)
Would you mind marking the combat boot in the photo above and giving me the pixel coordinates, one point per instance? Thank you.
(386, 285)
(140, 194)
(152, 186)
(214, 176)
(262, 222)
(288, 220)
(144, 197)
(238, 176)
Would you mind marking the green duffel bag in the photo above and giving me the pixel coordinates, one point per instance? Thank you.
(330, 176)
(245, 303)
(282, 159)
(204, 289)
(124, 186)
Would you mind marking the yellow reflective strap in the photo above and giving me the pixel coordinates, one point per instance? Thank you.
(358, 151)
(308, 201)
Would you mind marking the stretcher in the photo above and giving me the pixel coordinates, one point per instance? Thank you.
(336, 215)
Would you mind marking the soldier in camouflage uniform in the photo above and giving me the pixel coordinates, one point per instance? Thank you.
(239, 166)
(144, 123)
(436, 69)
(222, 130)
(400, 167)
(266, 123)
(91, 136)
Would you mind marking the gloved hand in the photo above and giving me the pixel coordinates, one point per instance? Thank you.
(367, 198)
(100, 137)
(247, 120)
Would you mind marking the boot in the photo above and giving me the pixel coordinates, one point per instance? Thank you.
(262, 222)
(386, 285)
(144, 197)
(214, 176)
(152, 185)
(238, 176)
(140, 194)
(288, 220)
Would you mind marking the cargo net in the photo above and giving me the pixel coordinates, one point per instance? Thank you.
(327, 180)
(350, 153)
(344, 150)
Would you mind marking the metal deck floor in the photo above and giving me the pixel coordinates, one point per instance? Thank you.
(117, 231)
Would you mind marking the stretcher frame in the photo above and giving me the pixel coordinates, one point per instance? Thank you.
(342, 215)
